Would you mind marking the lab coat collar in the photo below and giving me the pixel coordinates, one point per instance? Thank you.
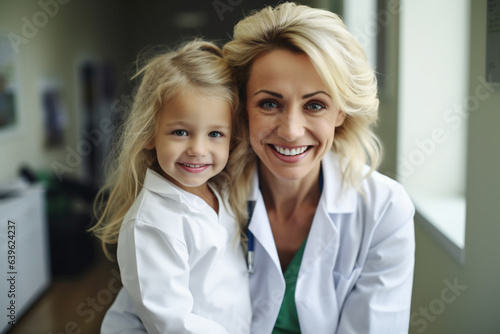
(336, 199)
(156, 183)
(333, 201)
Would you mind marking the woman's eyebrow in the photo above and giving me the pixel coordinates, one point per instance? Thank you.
(269, 92)
(278, 95)
(312, 94)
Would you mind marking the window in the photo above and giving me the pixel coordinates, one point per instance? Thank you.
(433, 107)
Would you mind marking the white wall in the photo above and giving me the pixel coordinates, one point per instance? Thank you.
(360, 18)
(78, 29)
(473, 307)
(433, 73)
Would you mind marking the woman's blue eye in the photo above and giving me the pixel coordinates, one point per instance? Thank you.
(269, 104)
(180, 133)
(315, 106)
(215, 134)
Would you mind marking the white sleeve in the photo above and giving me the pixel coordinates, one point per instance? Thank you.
(381, 299)
(121, 317)
(154, 268)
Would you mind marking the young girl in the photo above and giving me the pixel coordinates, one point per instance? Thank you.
(178, 244)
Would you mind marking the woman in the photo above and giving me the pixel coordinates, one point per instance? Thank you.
(332, 239)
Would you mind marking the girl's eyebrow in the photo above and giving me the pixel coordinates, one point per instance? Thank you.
(175, 123)
(184, 124)
(278, 95)
(221, 127)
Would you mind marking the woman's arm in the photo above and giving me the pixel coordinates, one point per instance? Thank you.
(381, 298)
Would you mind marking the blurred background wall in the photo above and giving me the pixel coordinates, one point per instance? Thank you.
(83, 53)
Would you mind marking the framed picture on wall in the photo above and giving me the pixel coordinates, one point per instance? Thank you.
(493, 42)
(9, 111)
(54, 113)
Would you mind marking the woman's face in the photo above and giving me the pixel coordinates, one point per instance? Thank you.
(292, 117)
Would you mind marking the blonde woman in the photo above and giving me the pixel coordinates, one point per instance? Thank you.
(178, 259)
(330, 240)
(333, 238)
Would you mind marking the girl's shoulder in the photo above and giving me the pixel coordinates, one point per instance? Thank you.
(156, 209)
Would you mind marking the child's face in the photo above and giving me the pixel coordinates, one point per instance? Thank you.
(192, 139)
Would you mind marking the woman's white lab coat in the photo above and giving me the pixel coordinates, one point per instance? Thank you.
(357, 269)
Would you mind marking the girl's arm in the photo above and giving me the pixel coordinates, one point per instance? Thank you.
(155, 272)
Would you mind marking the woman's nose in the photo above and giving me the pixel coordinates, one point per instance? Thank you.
(197, 147)
(291, 125)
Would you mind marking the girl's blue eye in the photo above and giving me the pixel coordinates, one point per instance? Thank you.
(315, 106)
(215, 134)
(180, 133)
(269, 105)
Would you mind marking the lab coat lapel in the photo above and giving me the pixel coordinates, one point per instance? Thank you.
(322, 250)
(315, 279)
(323, 236)
(259, 224)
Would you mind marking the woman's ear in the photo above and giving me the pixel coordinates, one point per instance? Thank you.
(340, 118)
(150, 145)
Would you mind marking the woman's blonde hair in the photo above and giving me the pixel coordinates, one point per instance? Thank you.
(342, 65)
(198, 64)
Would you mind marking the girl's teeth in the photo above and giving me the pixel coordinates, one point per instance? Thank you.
(293, 151)
(194, 166)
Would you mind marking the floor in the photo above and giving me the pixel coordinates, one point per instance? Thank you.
(73, 305)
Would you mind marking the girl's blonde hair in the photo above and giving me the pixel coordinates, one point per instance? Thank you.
(342, 65)
(197, 64)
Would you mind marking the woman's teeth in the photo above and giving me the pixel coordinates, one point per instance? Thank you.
(293, 151)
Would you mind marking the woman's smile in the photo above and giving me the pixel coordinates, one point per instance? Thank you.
(289, 151)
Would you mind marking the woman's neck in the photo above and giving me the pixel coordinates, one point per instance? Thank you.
(287, 196)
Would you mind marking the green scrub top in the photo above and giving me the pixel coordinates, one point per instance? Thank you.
(288, 319)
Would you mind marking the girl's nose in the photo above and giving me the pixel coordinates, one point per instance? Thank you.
(197, 147)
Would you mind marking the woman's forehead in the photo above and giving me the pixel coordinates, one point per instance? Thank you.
(282, 68)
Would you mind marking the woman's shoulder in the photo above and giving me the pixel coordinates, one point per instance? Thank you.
(381, 184)
(386, 199)
(375, 190)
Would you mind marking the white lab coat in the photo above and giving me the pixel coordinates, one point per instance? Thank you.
(181, 263)
(357, 269)
(356, 273)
